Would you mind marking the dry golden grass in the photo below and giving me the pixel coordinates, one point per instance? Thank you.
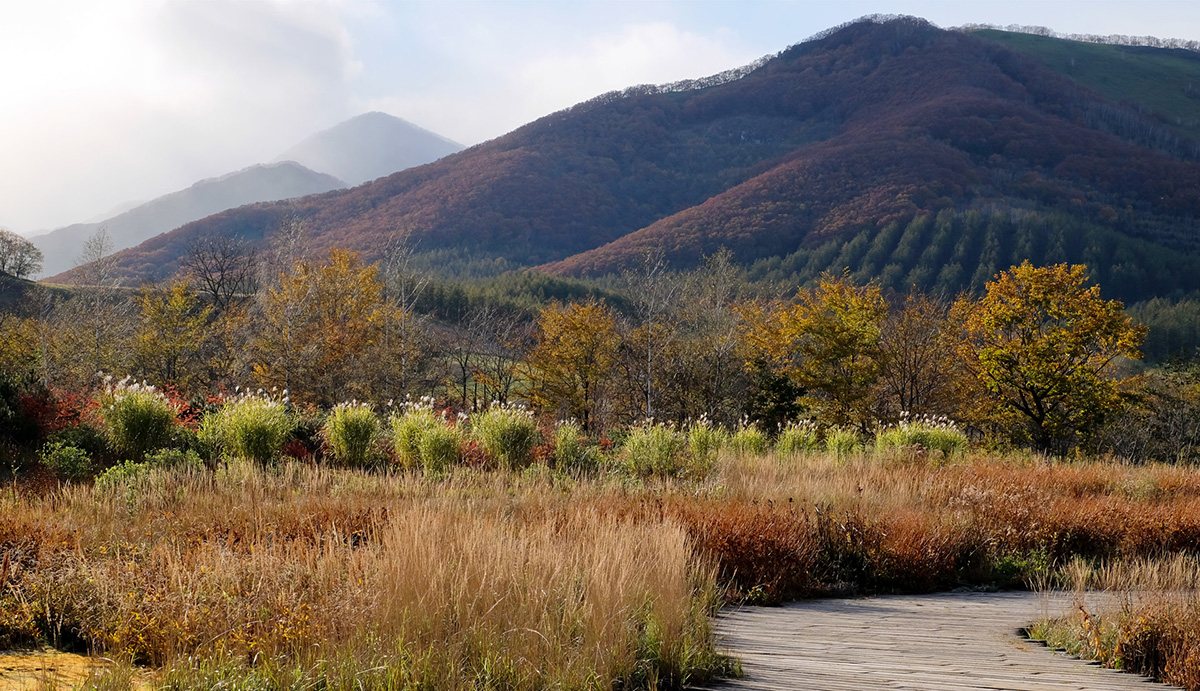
(303, 576)
(480, 582)
(1150, 624)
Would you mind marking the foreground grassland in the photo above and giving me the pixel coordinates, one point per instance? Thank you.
(302, 576)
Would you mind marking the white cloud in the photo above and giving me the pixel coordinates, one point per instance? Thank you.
(640, 54)
(534, 83)
(109, 101)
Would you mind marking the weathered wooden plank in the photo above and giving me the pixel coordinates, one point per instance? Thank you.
(945, 642)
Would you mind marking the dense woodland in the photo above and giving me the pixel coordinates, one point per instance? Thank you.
(835, 350)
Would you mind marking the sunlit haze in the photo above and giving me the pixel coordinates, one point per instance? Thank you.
(108, 103)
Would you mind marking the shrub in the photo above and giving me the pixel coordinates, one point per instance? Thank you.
(307, 437)
(175, 458)
(654, 449)
(83, 436)
(440, 447)
(67, 461)
(797, 438)
(137, 419)
(933, 433)
(209, 441)
(507, 433)
(571, 452)
(749, 440)
(842, 441)
(253, 427)
(122, 476)
(352, 431)
(705, 440)
(409, 428)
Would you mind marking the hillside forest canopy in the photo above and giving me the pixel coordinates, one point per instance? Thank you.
(1038, 359)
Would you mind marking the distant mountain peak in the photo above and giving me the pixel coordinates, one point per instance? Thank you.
(369, 146)
(263, 182)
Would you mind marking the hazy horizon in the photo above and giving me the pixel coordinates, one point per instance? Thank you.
(133, 99)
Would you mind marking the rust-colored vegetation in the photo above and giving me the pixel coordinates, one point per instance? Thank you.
(525, 580)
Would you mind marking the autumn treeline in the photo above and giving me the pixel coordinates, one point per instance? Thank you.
(1036, 362)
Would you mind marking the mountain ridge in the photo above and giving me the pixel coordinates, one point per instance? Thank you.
(869, 125)
(372, 141)
(202, 198)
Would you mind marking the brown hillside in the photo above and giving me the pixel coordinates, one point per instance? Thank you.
(875, 124)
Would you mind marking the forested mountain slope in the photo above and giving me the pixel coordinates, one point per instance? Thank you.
(893, 148)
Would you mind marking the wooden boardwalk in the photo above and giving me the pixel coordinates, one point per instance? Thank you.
(930, 642)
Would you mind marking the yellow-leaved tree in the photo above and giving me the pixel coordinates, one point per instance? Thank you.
(171, 330)
(828, 343)
(573, 359)
(1042, 344)
(21, 348)
(318, 327)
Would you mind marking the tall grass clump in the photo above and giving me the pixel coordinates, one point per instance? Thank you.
(797, 438)
(842, 441)
(439, 447)
(654, 449)
(705, 441)
(572, 454)
(933, 433)
(253, 427)
(507, 433)
(749, 440)
(352, 433)
(409, 428)
(137, 419)
(1150, 624)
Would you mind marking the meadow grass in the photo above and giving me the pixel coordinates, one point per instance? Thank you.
(299, 575)
(304, 575)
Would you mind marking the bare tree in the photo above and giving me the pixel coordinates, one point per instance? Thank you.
(223, 267)
(285, 249)
(42, 304)
(505, 339)
(484, 352)
(654, 290)
(918, 373)
(94, 322)
(403, 285)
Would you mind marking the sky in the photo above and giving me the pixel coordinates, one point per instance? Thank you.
(109, 103)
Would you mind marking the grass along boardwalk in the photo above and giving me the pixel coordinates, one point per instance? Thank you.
(929, 642)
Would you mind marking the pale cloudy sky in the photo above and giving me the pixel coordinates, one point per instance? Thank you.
(109, 102)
